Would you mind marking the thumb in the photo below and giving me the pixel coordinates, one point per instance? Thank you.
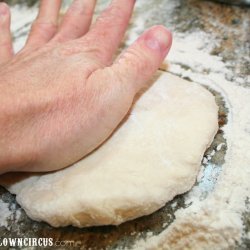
(141, 60)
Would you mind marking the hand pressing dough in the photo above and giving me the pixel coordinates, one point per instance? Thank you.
(154, 155)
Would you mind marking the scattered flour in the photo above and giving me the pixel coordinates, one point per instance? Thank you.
(9, 213)
(5, 214)
(219, 147)
(22, 18)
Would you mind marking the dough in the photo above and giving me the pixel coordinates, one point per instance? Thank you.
(154, 155)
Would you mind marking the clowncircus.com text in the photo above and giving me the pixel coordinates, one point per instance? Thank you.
(37, 242)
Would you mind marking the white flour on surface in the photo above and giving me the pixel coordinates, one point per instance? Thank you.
(21, 19)
(215, 222)
(5, 214)
(8, 214)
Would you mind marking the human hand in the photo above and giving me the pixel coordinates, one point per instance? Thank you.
(62, 95)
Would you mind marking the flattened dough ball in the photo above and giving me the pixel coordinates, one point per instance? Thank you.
(153, 156)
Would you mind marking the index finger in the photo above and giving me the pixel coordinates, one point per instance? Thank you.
(109, 29)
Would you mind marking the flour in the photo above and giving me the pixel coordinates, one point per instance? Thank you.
(21, 20)
(5, 214)
(8, 213)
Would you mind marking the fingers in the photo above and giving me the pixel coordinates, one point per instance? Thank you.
(77, 20)
(109, 28)
(6, 50)
(45, 26)
(137, 65)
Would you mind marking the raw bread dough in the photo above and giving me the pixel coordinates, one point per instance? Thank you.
(154, 155)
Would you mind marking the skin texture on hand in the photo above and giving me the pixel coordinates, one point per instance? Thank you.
(62, 95)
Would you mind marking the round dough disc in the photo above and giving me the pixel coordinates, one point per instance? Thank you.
(154, 155)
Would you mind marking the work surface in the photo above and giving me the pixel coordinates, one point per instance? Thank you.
(211, 44)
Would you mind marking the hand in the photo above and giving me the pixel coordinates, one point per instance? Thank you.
(62, 95)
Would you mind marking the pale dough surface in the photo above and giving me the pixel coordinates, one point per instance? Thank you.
(154, 155)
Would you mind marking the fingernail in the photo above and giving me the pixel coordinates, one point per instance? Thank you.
(3, 9)
(159, 38)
